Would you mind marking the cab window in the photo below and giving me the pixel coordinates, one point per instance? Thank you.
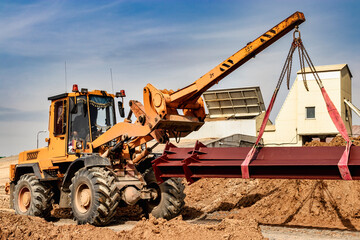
(79, 123)
(60, 118)
(102, 115)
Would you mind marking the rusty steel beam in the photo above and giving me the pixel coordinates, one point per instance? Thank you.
(269, 162)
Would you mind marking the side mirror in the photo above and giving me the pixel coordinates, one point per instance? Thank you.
(72, 103)
(121, 109)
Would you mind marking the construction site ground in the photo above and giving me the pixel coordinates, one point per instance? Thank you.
(216, 209)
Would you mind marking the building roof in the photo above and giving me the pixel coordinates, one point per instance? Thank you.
(328, 68)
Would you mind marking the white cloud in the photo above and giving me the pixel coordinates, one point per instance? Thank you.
(20, 20)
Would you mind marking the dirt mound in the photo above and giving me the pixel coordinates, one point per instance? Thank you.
(178, 229)
(330, 204)
(335, 142)
(26, 227)
(209, 195)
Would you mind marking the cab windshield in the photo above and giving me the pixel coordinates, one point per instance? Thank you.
(102, 115)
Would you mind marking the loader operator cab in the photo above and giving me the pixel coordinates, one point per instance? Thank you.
(89, 117)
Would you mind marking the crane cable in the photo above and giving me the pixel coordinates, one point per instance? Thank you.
(334, 114)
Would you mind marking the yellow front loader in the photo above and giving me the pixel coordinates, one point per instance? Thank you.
(92, 164)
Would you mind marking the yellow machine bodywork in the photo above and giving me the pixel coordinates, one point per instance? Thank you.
(56, 151)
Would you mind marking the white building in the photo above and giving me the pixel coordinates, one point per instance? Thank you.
(304, 114)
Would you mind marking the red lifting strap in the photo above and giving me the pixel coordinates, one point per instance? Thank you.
(335, 117)
(334, 114)
(340, 126)
(245, 164)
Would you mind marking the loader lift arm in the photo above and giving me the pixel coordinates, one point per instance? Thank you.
(159, 114)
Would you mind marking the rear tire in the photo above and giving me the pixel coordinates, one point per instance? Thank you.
(94, 196)
(32, 197)
(170, 200)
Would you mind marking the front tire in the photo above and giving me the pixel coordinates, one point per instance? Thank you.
(94, 196)
(170, 200)
(32, 197)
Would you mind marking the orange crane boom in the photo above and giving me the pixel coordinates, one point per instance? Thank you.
(159, 115)
(192, 92)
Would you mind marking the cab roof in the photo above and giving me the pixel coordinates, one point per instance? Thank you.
(73, 94)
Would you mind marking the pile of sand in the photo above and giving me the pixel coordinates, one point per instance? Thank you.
(316, 203)
(330, 204)
(179, 229)
(25, 227)
(335, 142)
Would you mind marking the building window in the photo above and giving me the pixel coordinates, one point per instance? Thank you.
(310, 112)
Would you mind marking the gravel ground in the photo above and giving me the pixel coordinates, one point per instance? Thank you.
(268, 231)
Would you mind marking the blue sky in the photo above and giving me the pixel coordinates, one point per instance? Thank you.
(167, 43)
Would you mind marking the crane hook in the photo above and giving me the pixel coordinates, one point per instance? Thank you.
(296, 31)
